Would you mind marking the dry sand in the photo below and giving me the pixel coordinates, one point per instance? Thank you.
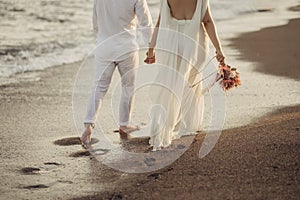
(41, 157)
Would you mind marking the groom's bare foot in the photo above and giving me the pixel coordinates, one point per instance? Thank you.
(86, 137)
(128, 129)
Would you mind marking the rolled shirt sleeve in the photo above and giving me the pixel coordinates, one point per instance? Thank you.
(95, 21)
(144, 19)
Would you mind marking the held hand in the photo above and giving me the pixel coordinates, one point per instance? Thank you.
(150, 57)
(220, 56)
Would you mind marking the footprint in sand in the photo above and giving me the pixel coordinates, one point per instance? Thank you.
(49, 166)
(46, 167)
(30, 170)
(264, 10)
(72, 141)
(82, 153)
(94, 152)
(150, 161)
(295, 8)
(43, 186)
(154, 176)
(38, 186)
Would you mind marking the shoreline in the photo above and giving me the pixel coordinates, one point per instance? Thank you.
(262, 11)
(272, 56)
(40, 148)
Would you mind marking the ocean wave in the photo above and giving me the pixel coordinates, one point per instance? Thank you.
(36, 35)
(45, 60)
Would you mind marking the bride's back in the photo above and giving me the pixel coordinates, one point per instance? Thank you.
(182, 9)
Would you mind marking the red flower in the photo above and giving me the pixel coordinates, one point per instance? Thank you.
(228, 77)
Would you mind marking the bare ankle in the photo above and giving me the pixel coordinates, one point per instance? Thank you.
(89, 126)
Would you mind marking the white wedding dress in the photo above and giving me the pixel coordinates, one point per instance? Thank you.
(181, 52)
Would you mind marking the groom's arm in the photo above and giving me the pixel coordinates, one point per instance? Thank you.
(144, 18)
(95, 21)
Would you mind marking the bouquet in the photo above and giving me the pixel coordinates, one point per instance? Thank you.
(228, 77)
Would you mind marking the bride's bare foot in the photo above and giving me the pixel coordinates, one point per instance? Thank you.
(86, 137)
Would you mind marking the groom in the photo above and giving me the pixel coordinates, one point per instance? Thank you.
(115, 26)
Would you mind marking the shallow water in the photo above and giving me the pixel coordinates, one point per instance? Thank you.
(39, 34)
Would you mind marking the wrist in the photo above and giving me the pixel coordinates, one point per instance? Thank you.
(151, 51)
(150, 56)
(219, 48)
(219, 51)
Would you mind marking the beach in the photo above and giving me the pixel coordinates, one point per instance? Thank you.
(256, 157)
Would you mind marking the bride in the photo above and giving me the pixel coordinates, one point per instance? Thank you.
(180, 40)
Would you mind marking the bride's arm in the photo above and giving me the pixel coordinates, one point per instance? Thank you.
(150, 53)
(210, 28)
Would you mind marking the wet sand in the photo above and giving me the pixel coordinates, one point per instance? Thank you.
(41, 157)
(277, 50)
(258, 161)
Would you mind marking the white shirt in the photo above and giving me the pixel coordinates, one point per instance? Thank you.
(117, 18)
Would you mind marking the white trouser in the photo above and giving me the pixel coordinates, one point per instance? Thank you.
(104, 70)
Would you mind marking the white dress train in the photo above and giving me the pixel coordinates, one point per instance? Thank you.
(181, 51)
